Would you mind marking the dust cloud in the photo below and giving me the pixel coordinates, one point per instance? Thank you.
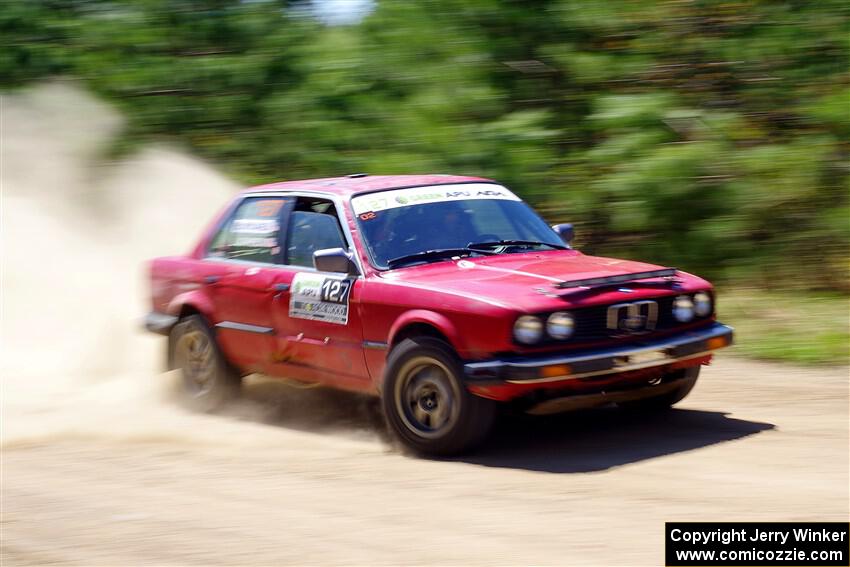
(77, 231)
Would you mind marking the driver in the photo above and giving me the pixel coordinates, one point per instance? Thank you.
(452, 226)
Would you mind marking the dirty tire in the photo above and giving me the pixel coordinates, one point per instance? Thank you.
(206, 379)
(425, 402)
(665, 401)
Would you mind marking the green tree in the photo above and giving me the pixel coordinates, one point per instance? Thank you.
(709, 134)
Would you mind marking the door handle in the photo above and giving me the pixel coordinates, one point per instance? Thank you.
(279, 289)
(209, 280)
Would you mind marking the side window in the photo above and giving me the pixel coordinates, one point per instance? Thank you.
(313, 225)
(252, 233)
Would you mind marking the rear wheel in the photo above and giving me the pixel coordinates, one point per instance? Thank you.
(426, 403)
(206, 380)
(687, 378)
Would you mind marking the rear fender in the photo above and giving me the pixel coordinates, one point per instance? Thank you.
(190, 302)
(194, 301)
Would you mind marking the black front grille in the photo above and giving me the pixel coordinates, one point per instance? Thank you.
(592, 322)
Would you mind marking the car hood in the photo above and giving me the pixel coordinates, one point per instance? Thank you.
(526, 281)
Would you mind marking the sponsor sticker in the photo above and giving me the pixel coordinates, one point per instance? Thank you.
(254, 241)
(254, 226)
(319, 297)
(381, 201)
(269, 207)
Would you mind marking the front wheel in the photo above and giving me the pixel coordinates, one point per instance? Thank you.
(206, 380)
(426, 403)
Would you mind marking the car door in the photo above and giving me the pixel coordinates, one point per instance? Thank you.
(245, 256)
(319, 333)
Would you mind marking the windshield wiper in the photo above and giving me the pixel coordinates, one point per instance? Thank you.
(437, 254)
(515, 243)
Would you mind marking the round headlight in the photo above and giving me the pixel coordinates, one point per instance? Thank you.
(528, 329)
(683, 309)
(560, 325)
(702, 304)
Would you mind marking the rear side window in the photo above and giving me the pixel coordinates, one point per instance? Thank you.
(313, 225)
(252, 233)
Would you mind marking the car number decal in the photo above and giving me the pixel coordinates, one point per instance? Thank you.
(320, 297)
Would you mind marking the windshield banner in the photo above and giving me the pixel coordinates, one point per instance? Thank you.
(395, 198)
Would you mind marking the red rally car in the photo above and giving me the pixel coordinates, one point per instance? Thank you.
(444, 295)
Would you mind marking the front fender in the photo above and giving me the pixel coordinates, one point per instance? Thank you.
(437, 320)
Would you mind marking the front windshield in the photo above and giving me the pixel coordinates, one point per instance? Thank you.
(402, 222)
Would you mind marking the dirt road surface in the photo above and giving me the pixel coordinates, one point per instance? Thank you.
(307, 478)
(100, 467)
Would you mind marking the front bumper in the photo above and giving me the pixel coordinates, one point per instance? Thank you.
(559, 368)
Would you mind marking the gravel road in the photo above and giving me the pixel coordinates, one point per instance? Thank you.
(307, 477)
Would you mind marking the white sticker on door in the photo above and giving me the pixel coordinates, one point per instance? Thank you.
(319, 297)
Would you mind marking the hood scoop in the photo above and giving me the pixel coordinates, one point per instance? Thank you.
(586, 284)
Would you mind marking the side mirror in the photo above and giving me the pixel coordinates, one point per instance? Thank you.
(334, 260)
(565, 231)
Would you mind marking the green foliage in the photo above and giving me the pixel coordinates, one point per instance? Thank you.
(709, 135)
(805, 328)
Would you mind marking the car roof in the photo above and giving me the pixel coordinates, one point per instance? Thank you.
(360, 183)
